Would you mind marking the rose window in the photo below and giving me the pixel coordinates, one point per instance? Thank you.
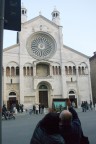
(41, 46)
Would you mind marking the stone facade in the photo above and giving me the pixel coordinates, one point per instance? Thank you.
(40, 68)
(93, 76)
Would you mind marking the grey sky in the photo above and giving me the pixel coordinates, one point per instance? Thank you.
(78, 18)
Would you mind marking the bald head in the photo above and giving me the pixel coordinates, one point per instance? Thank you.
(65, 117)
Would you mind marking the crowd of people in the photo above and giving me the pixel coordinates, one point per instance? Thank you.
(86, 106)
(37, 109)
(12, 110)
(58, 128)
(19, 108)
(8, 114)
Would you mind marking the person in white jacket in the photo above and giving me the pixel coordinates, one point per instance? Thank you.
(37, 108)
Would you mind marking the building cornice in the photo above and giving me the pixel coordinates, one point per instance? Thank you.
(10, 47)
(42, 17)
(69, 48)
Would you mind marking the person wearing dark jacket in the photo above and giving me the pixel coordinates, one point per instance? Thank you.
(70, 126)
(4, 111)
(47, 131)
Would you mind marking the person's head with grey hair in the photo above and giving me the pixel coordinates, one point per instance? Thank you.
(65, 117)
(70, 125)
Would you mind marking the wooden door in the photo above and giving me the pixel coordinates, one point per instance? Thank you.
(43, 98)
(73, 99)
(12, 100)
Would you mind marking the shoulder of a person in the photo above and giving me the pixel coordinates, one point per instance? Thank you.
(57, 139)
(76, 124)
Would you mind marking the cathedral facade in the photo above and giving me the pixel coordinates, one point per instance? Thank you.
(41, 69)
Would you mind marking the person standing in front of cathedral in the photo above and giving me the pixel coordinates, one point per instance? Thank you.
(82, 105)
(34, 109)
(42, 107)
(73, 104)
(90, 105)
(95, 106)
(37, 108)
(4, 111)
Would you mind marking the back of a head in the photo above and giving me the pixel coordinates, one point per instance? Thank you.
(65, 117)
(51, 122)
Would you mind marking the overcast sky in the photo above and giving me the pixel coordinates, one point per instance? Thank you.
(78, 18)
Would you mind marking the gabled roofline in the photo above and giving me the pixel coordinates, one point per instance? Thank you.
(10, 47)
(93, 57)
(76, 51)
(40, 16)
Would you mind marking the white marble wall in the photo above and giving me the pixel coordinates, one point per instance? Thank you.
(59, 86)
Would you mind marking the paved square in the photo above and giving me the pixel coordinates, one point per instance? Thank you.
(19, 131)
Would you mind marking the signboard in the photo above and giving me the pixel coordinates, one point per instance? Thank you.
(12, 15)
(59, 104)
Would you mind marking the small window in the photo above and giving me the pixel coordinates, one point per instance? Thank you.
(17, 70)
(83, 71)
(7, 71)
(74, 70)
(53, 70)
(56, 70)
(66, 70)
(12, 71)
(24, 71)
(12, 93)
(54, 15)
(59, 70)
(28, 71)
(43, 87)
(32, 71)
(22, 11)
(79, 70)
(70, 70)
(71, 92)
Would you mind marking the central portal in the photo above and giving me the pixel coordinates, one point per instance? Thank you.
(43, 95)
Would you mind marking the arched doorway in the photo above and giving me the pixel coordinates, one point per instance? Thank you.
(43, 95)
(12, 100)
(72, 97)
